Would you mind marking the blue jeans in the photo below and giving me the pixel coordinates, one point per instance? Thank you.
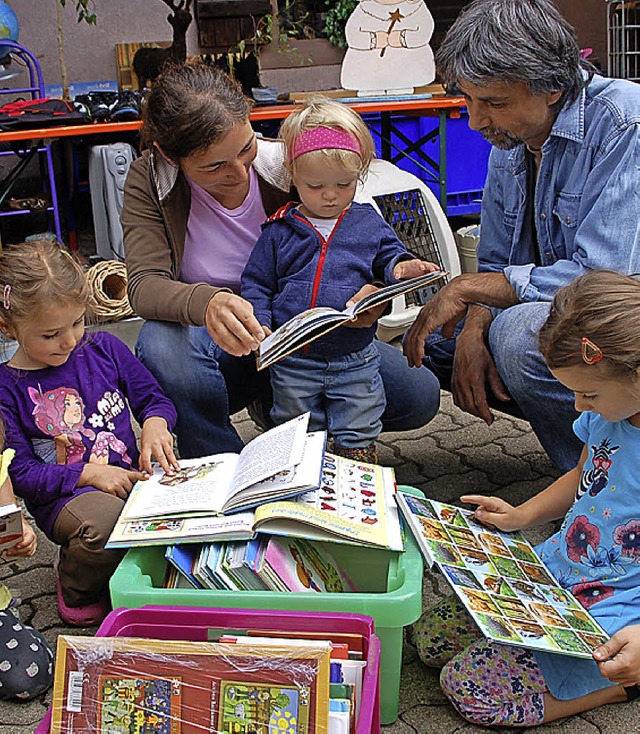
(544, 402)
(207, 386)
(344, 395)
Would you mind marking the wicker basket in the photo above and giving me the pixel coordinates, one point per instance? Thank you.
(108, 299)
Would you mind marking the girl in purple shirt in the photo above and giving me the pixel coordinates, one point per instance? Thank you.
(63, 399)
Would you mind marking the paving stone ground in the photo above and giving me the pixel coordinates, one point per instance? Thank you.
(452, 455)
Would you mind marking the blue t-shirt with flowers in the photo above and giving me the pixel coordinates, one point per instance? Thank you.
(596, 552)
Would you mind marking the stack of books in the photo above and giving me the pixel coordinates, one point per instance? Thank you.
(270, 563)
(281, 483)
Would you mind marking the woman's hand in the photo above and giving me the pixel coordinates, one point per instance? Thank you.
(232, 325)
(413, 269)
(110, 479)
(27, 546)
(624, 650)
(494, 512)
(156, 440)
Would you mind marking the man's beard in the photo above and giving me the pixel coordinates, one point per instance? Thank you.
(500, 138)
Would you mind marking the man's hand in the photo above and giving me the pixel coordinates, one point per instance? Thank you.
(624, 650)
(445, 309)
(371, 315)
(232, 325)
(473, 371)
(110, 479)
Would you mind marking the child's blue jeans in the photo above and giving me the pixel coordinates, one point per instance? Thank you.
(344, 395)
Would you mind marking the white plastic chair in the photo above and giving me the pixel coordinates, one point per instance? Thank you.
(411, 208)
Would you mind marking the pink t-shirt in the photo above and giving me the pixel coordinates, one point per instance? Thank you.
(219, 241)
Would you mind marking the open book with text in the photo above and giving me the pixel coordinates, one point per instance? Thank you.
(279, 463)
(500, 579)
(354, 503)
(314, 322)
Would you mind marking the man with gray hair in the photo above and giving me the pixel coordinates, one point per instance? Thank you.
(561, 198)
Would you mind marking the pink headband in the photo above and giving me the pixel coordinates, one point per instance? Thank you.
(323, 137)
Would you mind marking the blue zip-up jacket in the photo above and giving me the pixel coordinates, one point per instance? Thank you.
(292, 268)
(587, 203)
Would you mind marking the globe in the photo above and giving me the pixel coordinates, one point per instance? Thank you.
(9, 27)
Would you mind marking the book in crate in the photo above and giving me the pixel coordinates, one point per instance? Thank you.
(120, 684)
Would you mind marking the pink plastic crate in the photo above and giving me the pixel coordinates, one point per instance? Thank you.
(193, 623)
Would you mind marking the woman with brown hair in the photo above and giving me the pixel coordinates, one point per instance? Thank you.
(194, 204)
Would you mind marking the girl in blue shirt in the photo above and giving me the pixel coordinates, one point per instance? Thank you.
(591, 344)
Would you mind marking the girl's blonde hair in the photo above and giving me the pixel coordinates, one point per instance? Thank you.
(603, 307)
(322, 112)
(34, 274)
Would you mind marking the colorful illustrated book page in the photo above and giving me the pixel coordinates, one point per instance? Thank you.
(501, 581)
(123, 685)
(354, 504)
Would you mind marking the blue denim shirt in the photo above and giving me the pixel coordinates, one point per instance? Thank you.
(587, 210)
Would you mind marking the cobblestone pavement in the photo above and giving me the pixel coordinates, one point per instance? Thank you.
(453, 455)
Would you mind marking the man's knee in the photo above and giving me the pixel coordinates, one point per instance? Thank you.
(514, 341)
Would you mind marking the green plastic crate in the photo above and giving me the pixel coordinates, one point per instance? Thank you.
(391, 593)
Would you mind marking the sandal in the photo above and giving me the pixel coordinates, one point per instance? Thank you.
(88, 615)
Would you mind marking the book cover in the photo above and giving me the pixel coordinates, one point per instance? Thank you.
(10, 526)
(120, 685)
(314, 322)
(302, 565)
(242, 559)
(354, 504)
(501, 581)
(279, 463)
(183, 557)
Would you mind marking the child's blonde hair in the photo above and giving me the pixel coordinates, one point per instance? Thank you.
(322, 112)
(35, 274)
(602, 307)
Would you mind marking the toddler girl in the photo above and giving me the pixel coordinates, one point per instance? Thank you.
(591, 344)
(322, 252)
(63, 398)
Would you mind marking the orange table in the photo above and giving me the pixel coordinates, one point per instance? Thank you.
(442, 107)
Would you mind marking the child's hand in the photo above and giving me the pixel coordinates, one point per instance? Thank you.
(371, 315)
(494, 512)
(27, 546)
(156, 440)
(110, 479)
(413, 269)
(624, 649)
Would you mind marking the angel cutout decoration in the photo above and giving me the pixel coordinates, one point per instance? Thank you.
(389, 51)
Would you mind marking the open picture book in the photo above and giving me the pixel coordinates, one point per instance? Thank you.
(314, 322)
(279, 463)
(354, 503)
(499, 578)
